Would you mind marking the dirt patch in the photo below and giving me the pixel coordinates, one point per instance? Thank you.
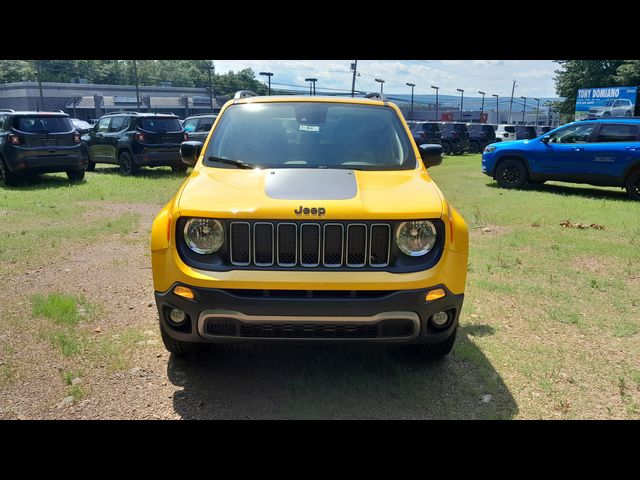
(489, 231)
(111, 210)
(590, 263)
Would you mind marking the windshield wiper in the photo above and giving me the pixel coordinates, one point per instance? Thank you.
(235, 163)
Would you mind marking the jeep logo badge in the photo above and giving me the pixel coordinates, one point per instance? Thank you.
(309, 211)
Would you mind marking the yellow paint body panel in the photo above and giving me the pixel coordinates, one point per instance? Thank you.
(240, 194)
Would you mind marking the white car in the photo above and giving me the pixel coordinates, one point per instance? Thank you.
(505, 133)
(613, 108)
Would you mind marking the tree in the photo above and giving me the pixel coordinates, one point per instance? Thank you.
(576, 74)
(629, 73)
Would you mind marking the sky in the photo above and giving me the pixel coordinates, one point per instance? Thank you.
(534, 78)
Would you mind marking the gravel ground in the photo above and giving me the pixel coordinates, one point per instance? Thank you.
(242, 381)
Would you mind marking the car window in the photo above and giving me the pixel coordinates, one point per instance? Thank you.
(205, 124)
(3, 118)
(118, 124)
(312, 135)
(43, 124)
(617, 133)
(510, 129)
(160, 124)
(572, 134)
(103, 125)
(190, 125)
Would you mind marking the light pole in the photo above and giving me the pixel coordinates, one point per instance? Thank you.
(482, 107)
(412, 85)
(269, 75)
(312, 81)
(436, 89)
(537, 110)
(524, 108)
(381, 82)
(461, 100)
(497, 108)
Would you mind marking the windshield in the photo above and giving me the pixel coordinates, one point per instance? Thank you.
(43, 124)
(81, 124)
(161, 125)
(311, 135)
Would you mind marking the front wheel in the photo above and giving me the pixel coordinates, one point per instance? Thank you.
(436, 350)
(127, 165)
(511, 174)
(75, 175)
(446, 148)
(177, 347)
(91, 166)
(474, 147)
(633, 186)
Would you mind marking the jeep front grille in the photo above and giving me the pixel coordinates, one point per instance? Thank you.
(309, 244)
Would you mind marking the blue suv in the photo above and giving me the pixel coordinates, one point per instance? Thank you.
(604, 152)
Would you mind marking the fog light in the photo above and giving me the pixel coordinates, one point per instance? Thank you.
(177, 316)
(440, 319)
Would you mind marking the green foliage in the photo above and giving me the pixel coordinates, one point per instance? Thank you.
(181, 73)
(576, 74)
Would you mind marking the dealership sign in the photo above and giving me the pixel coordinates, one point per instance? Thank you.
(606, 102)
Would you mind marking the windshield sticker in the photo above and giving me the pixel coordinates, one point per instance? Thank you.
(310, 128)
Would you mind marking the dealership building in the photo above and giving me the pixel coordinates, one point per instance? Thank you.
(89, 101)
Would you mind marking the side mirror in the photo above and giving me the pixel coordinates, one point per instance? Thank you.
(545, 139)
(190, 151)
(95, 128)
(431, 154)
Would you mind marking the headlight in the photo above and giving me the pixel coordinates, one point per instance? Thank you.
(489, 148)
(416, 238)
(203, 235)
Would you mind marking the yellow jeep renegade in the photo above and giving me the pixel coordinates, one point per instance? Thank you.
(309, 219)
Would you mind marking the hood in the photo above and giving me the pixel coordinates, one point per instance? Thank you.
(285, 194)
(511, 143)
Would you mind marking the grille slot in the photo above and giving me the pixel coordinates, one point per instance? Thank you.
(379, 245)
(263, 244)
(287, 244)
(333, 245)
(240, 243)
(356, 245)
(310, 245)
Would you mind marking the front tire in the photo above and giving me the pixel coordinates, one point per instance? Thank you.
(177, 347)
(633, 186)
(512, 174)
(127, 165)
(91, 166)
(437, 350)
(75, 175)
(446, 148)
(474, 147)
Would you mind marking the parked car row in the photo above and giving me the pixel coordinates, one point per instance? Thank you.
(32, 143)
(457, 138)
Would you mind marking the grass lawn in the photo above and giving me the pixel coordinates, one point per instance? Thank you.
(563, 304)
(550, 326)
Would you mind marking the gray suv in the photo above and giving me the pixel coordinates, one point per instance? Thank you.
(613, 108)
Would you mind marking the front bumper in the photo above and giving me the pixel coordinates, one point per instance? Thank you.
(219, 315)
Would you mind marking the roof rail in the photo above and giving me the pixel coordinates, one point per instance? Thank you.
(244, 94)
(377, 96)
(7, 110)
